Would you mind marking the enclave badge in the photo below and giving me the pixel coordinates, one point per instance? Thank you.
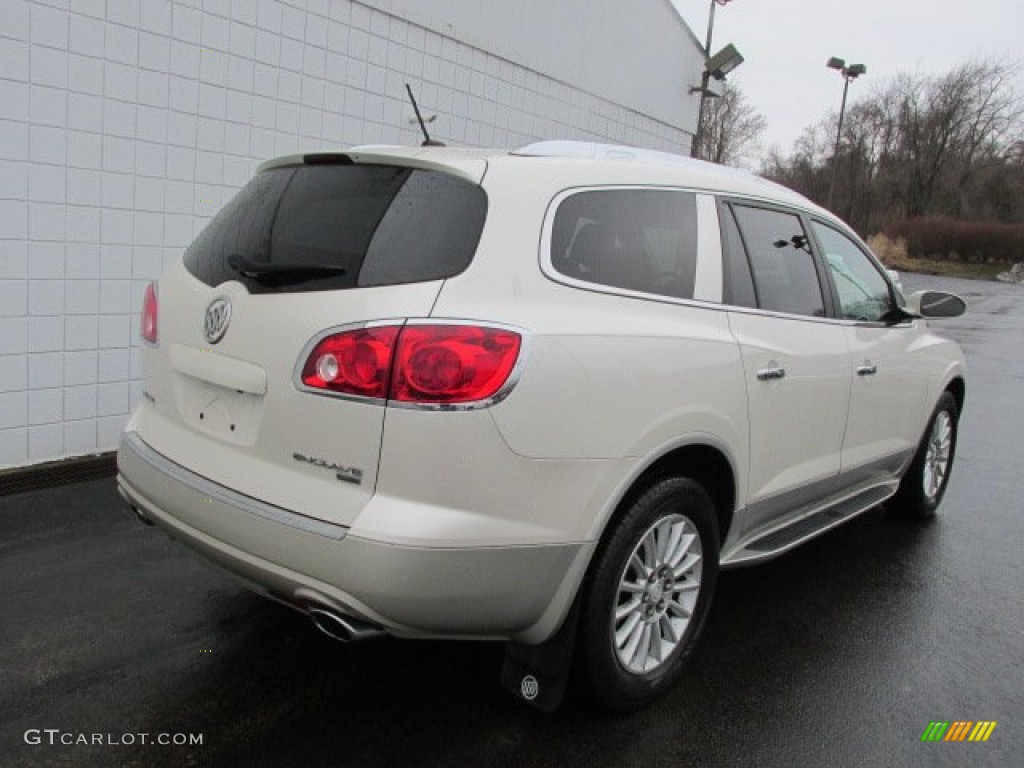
(341, 472)
(218, 315)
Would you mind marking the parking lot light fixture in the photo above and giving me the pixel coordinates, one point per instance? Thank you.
(703, 89)
(849, 73)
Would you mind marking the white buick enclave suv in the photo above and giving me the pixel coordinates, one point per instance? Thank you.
(539, 396)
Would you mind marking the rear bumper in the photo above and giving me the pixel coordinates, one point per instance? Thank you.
(518, 592)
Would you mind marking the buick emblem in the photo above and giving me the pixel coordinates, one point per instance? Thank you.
(529, 687)
(218, 315)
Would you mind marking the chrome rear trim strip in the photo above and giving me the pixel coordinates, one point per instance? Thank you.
(132, 443)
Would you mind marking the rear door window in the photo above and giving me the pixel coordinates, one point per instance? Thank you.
(739, 284)
(641, 240)
(349, 226)
(781, 261)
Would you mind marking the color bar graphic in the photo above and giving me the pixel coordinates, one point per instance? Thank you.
(982, 730)
(958, 730)
(935, 731)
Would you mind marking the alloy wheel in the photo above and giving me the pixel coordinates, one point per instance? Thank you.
(657, 594)
(936, 460)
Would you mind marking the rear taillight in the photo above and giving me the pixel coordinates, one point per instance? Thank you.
(353, 362)
(452, 363)
(148, 328)
(421, 364)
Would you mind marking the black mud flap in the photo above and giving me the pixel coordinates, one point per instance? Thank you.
(538, 674)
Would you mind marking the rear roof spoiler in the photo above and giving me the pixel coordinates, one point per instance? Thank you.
(467, 165)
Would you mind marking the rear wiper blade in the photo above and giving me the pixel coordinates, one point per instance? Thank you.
(258, 269)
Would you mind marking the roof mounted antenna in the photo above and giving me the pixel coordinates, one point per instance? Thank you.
(427, 141)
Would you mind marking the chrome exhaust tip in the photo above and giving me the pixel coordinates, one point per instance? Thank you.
(343, 628)
(142, 517)
(134, 508)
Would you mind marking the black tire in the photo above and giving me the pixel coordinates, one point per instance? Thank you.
(913, 499)
(676, 507)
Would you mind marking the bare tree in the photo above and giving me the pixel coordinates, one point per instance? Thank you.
(731, 128)
(951, 128)
(944, 145)
(805, 169)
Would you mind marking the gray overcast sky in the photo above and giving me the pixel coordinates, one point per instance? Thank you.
(786, 43)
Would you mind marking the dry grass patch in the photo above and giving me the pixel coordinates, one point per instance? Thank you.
(893, 254)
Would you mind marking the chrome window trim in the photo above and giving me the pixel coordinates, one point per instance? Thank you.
(552, 274)
(908, 323)
(513, 378)
(812, 217)
(788, 315)
(132, 443)
(807, 318)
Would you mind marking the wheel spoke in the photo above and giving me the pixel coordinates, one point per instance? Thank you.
(668, 630)
(682, 549)
(623, 634)
(687, 565)
(643, 648)
(685, 586)
(661, 537)
(650, 552)
(641, 569)
(688, 600)
(632, 587)
(629, 651)
(660, 647)
(627, 608)
(673, 542)
(679, 610)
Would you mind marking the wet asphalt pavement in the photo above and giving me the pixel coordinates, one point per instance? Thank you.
(837, 654)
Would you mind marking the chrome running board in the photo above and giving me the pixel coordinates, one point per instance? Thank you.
(764, 545)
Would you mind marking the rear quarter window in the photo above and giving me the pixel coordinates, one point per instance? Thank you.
(641, 240)
(378, 225)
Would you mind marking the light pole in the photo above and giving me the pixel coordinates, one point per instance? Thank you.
(705, 79)
(849, 73)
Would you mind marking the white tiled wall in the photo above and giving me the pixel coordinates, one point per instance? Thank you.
(126, 124)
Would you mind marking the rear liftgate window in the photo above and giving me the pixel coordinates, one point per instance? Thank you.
(327, 227)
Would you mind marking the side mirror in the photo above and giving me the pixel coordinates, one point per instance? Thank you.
(935, 304)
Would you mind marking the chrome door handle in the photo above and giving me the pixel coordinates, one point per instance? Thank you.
(867, 370)
(767, 374)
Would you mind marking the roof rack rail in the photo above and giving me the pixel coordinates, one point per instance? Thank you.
(589, 150)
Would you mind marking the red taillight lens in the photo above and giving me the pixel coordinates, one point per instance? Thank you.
(353, 362)
(452, 363)
(148, 327)
(429, 364)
